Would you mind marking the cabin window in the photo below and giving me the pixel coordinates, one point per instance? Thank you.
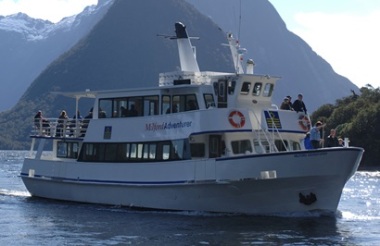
(245, 88)
(241, 147)
(209, 100)
(165, 152)
(197, 149)
(268, 89)
(150, 105)
(62, 149)
(257, 89)
(166, 105)
(296, 146)
(133, 151)
(127, 151)
(122, 152)
(120, 107)
(281, 145)
(152, 151)
(135, 107)
(105, 108)
(90, 152)
(67, 150)
(110, 153)
(183, 103)
(191, 103)
(263, 148)
(177, 104)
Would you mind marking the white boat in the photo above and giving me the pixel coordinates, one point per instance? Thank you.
(200, 141)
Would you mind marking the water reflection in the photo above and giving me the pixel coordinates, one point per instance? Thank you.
(73, 223)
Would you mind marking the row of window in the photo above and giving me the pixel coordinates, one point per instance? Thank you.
(257, 89)
(244, 146)
(159, 151)
(149, 105)
(126, 152)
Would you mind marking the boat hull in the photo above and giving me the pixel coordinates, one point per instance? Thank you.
(258, 184)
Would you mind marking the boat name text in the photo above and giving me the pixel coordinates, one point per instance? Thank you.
(167, 125)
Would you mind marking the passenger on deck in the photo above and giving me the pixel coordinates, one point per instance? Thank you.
(315, 135)
(307, 142)
(299, 105)
(285, 105)
(174, 109)
(102, 113)
(86, 121)
(133, 111)
(62, 124)
(78, 116)
(123, 111)
(42, 124)
(290, 102)
(332, 140)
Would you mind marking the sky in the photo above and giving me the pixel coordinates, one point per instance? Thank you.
(346, 33)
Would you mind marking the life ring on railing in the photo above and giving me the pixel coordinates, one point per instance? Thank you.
(236, 119)
(304, 123)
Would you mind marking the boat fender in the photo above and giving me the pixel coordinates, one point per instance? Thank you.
(308, 199)
(236, 119)
(304, 123)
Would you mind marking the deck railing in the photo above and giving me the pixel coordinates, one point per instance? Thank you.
(61, 128)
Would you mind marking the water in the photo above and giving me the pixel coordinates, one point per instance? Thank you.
(25, 220)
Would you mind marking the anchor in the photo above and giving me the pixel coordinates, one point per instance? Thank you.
(308, 199)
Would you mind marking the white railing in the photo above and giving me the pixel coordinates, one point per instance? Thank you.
(64, 128)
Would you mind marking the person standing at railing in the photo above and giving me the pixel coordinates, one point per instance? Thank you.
(299, 105)
(315, 135)
(62, 123)
(42, 124)
(332, 140)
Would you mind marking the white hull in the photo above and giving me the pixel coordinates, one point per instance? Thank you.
(251, 185)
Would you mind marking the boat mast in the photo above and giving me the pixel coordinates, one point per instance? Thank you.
(186, 52)
(237, 53)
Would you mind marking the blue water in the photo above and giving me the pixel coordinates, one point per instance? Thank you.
(25, 220)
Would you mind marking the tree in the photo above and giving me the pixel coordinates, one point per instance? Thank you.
(356, 117)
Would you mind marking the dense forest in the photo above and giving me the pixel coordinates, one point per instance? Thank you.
(356, 117)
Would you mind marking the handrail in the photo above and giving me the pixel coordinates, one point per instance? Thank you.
(62, 128)
(278, 133)
(271, 142)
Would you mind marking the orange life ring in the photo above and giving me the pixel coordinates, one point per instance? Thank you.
(236, 119)
(304, 123)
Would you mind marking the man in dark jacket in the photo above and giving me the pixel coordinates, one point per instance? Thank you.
(299, 105)
(332, 140)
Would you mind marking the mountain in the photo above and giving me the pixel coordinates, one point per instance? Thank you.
(27, 46)
(277, 51)
(122, 50)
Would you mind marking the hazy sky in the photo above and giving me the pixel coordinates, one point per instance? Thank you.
(346, 33)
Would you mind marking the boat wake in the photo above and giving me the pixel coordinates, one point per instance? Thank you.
(347, 215)
(15, 193)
